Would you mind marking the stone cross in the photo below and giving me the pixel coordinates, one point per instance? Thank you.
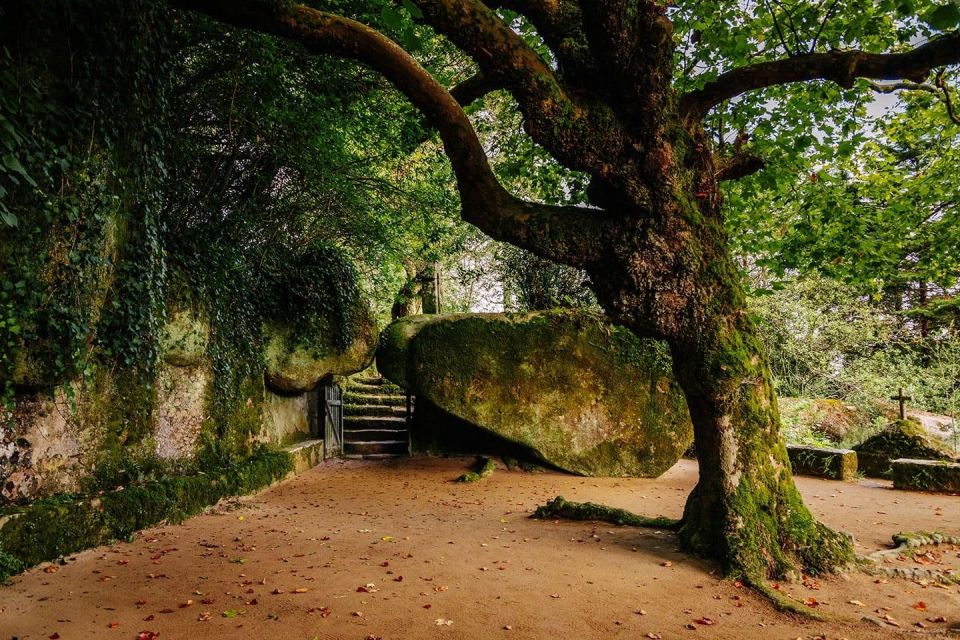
(903, 402)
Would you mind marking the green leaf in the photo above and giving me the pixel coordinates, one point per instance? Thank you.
(391, 17)
(412, 9)
(10, 162)
(944, 17)
(8, 218)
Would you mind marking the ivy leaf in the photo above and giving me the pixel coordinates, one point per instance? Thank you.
(7, 216)
(944, 17)
(391, 17)
(10, 162)
(412, 9)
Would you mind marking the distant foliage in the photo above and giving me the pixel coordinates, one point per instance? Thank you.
(825, 341)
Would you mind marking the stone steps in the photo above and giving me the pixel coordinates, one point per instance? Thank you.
(375, 435)
(395, 448)
(374, 420)
(378, 410)
(366, 398)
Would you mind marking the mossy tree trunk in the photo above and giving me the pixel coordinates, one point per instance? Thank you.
(745, 509)
(653, 239)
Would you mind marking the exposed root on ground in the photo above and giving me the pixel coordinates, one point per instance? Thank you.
(561, 509)
(485, 469)
(781, 601)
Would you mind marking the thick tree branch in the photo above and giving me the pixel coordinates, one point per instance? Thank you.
(842, 67)
(737, 166)
(485, 202)
(560, 24)
(473, 88)
(582, 136)
(633, 43)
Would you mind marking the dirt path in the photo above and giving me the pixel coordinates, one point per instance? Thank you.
(359, 550)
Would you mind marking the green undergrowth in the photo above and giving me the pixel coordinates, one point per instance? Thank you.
(53, 527)
(559, 508)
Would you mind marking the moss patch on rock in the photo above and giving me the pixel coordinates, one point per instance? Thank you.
(484, 469)
(296, 363)
(183, 341)
(901, 439)
(587, 397)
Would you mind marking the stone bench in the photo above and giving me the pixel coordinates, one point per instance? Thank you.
(833, 464)
(926, 475)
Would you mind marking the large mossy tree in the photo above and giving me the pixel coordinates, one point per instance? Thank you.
(598, 84)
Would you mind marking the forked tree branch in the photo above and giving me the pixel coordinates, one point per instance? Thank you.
(552, 116)
(842, 67)
(485, 203)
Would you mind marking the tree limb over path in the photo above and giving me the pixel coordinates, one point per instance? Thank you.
(842, 67)
(548, 231)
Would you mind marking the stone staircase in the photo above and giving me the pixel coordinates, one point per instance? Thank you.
(374, 420)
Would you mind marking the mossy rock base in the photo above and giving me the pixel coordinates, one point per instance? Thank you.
(926, 475)
(582, 395)
(53, 527)
(901, 439)
(833, 464)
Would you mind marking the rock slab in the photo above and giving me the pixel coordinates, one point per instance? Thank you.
(583, 395)
(926, 475)
(833, 464)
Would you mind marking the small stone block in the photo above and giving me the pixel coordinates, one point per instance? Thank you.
(926, 475)
(833, 464)
(306, 455)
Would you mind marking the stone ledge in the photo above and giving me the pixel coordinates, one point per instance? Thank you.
(305, 454)
(833, 464)
(926, 475)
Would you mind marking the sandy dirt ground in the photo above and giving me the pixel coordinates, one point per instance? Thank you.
(395, 550)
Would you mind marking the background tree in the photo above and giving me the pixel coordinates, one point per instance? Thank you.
(596, 90)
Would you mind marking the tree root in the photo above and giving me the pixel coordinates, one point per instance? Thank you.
(905, 543)
(559, 508)
(781, 601)
(486, 467)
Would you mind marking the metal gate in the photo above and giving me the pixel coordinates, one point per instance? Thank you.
(332, 420)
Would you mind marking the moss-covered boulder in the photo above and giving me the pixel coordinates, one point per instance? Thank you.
(585, 396)
(901, 439)
(297, 362)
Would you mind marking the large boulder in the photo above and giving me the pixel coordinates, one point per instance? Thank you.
(901, 439)
(296, 363)
(585, 396)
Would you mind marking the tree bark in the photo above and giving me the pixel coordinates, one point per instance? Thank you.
(745, 509)
(429, 291)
